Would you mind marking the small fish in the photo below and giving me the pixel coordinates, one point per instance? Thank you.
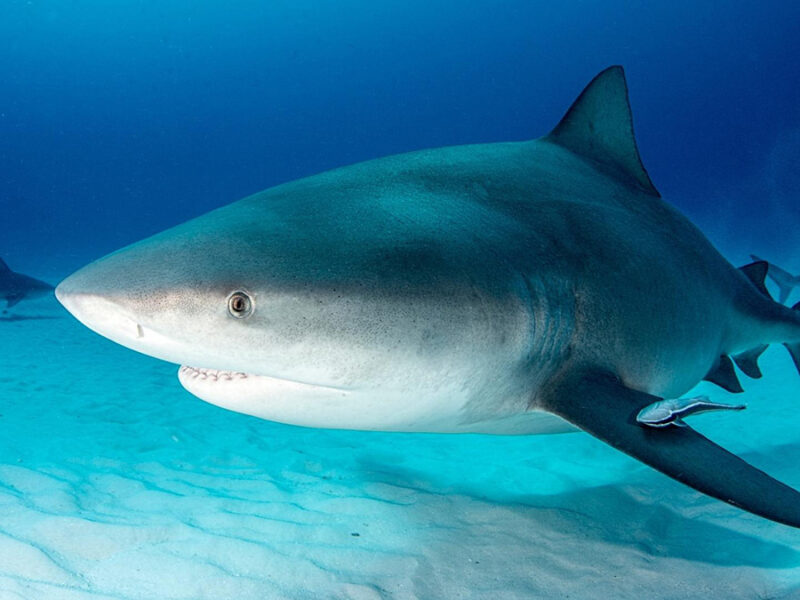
(672, 411)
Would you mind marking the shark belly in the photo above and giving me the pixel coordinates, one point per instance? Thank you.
(309, 405)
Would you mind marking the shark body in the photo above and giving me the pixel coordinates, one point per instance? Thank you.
(15, 287)
(526, 287)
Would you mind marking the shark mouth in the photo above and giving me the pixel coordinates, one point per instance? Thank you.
(265, 397)
(187, 372)
(194, 377)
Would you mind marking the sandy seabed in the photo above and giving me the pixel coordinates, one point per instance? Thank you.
(116, 483)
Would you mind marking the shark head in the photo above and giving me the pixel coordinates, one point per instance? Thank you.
(278, 306)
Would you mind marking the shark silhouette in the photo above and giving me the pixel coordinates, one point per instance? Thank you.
(500, 288)
(15, 287)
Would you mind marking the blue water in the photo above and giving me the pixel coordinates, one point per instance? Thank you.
(120, 119)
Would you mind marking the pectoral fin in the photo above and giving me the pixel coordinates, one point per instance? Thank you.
(599, 404)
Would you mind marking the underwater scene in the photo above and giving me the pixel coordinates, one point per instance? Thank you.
(459, 346)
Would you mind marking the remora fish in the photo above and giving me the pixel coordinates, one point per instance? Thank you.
(499, 288)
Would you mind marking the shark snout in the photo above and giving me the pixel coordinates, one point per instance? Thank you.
(128, 315)
(98, 313)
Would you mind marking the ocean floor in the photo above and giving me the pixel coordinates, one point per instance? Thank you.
(116, 483)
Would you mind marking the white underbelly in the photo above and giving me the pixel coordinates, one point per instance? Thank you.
(309, 405)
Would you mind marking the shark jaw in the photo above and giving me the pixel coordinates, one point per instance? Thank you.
(266, 397)
(197, 379)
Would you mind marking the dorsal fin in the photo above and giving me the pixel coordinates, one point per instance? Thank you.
(756, 272)
(3, 266)
(599, 126)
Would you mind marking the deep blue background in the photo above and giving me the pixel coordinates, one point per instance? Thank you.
(118, 119)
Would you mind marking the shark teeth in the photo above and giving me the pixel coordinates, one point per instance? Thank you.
(212, 374)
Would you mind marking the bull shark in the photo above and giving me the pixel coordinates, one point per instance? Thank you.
(15, 287)
(525, 287)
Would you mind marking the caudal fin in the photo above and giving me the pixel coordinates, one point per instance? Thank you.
(785, 281)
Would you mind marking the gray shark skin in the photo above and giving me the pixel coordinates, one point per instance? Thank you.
(15, 287)
(523, 287)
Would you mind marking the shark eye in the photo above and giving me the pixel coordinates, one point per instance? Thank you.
(240, 306)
